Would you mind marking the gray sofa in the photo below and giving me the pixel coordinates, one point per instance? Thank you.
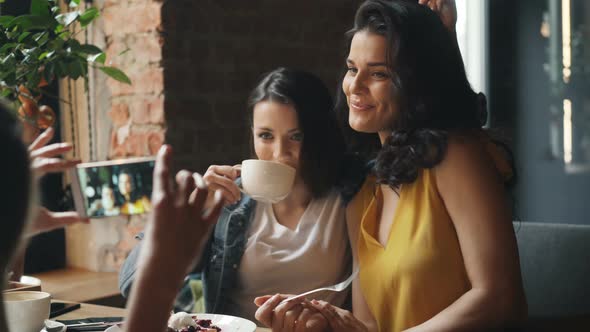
(555, 263)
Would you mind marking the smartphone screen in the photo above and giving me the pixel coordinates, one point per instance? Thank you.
(121, 187)
(60, 308)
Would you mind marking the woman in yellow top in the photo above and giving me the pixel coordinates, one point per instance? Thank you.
(431, 229)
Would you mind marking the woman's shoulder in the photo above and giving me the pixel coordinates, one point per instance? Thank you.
(473, 153)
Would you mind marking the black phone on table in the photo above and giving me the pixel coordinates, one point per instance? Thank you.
(60, 308)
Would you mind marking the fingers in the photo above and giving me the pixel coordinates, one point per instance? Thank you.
(230, 172)
(304, 316)
(296, 299)
(290, 321)
(43, 139)
(186, 185)
(432, 4)
(198, 201)
(238, 169)
(199, 196)
(68, 218)
(212, 215)
(315, 322)
(264, 314)
(222, 178)
(327, 311)
(261, 300)
(52, 165)
(47, 221)
(51, 150)
(162, 166)
(280, 316)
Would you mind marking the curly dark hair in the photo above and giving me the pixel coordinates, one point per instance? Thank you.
(323, 145)
(433, 95)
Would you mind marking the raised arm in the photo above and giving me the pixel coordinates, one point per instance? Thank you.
(164, 260)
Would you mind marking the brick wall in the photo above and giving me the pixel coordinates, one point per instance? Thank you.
(214, 52)
(137, 111)
(208, 57)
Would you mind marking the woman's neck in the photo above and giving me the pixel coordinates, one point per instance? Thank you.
(288, 212)
(299, 197)
(383, 135)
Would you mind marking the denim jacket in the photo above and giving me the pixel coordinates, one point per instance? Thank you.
(224, 250)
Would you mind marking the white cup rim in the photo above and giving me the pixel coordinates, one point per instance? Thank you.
(267, 162)
(43, 296)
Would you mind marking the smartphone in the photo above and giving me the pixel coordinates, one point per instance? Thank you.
(60, 308)
(112, 188)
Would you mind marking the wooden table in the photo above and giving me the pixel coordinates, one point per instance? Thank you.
(578, 323)
(93, 310)
(78, 285)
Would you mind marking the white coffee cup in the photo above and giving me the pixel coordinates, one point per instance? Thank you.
(267, 181)
(26, 311)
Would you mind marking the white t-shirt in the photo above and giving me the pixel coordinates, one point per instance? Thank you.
(280, 260)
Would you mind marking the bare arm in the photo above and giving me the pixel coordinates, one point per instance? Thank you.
(474, 196)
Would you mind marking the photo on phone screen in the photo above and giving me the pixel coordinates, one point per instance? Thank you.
(113, 188)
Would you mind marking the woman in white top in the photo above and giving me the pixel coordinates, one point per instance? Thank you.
(299, 243)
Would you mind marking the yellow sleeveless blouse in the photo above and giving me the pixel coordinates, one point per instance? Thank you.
(420, 271)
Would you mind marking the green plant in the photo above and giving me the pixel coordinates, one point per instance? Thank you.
(39, 47)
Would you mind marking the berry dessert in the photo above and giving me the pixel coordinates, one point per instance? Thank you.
(183, 322)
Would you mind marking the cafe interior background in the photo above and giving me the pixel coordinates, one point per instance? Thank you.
(193, 63)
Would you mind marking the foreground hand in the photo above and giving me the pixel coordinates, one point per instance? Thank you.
(446, 10)
(291, 316)
(221, 178)
(43, 158)
(46, 221)
(179, 225)
(339, 319)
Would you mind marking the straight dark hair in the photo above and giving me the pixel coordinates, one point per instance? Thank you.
(323, 145)
(16, 180)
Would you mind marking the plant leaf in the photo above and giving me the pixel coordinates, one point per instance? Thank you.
(5, 20)
(74, 69)
(67, 18)
(23, 36)
(116, 74)
(60, 69)
(6, 47)
(40, 8)
(98, 58)
(32, 22)
(74, 3)
(89, 15)
(46, 55)
(90, 49)
(5, 92)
